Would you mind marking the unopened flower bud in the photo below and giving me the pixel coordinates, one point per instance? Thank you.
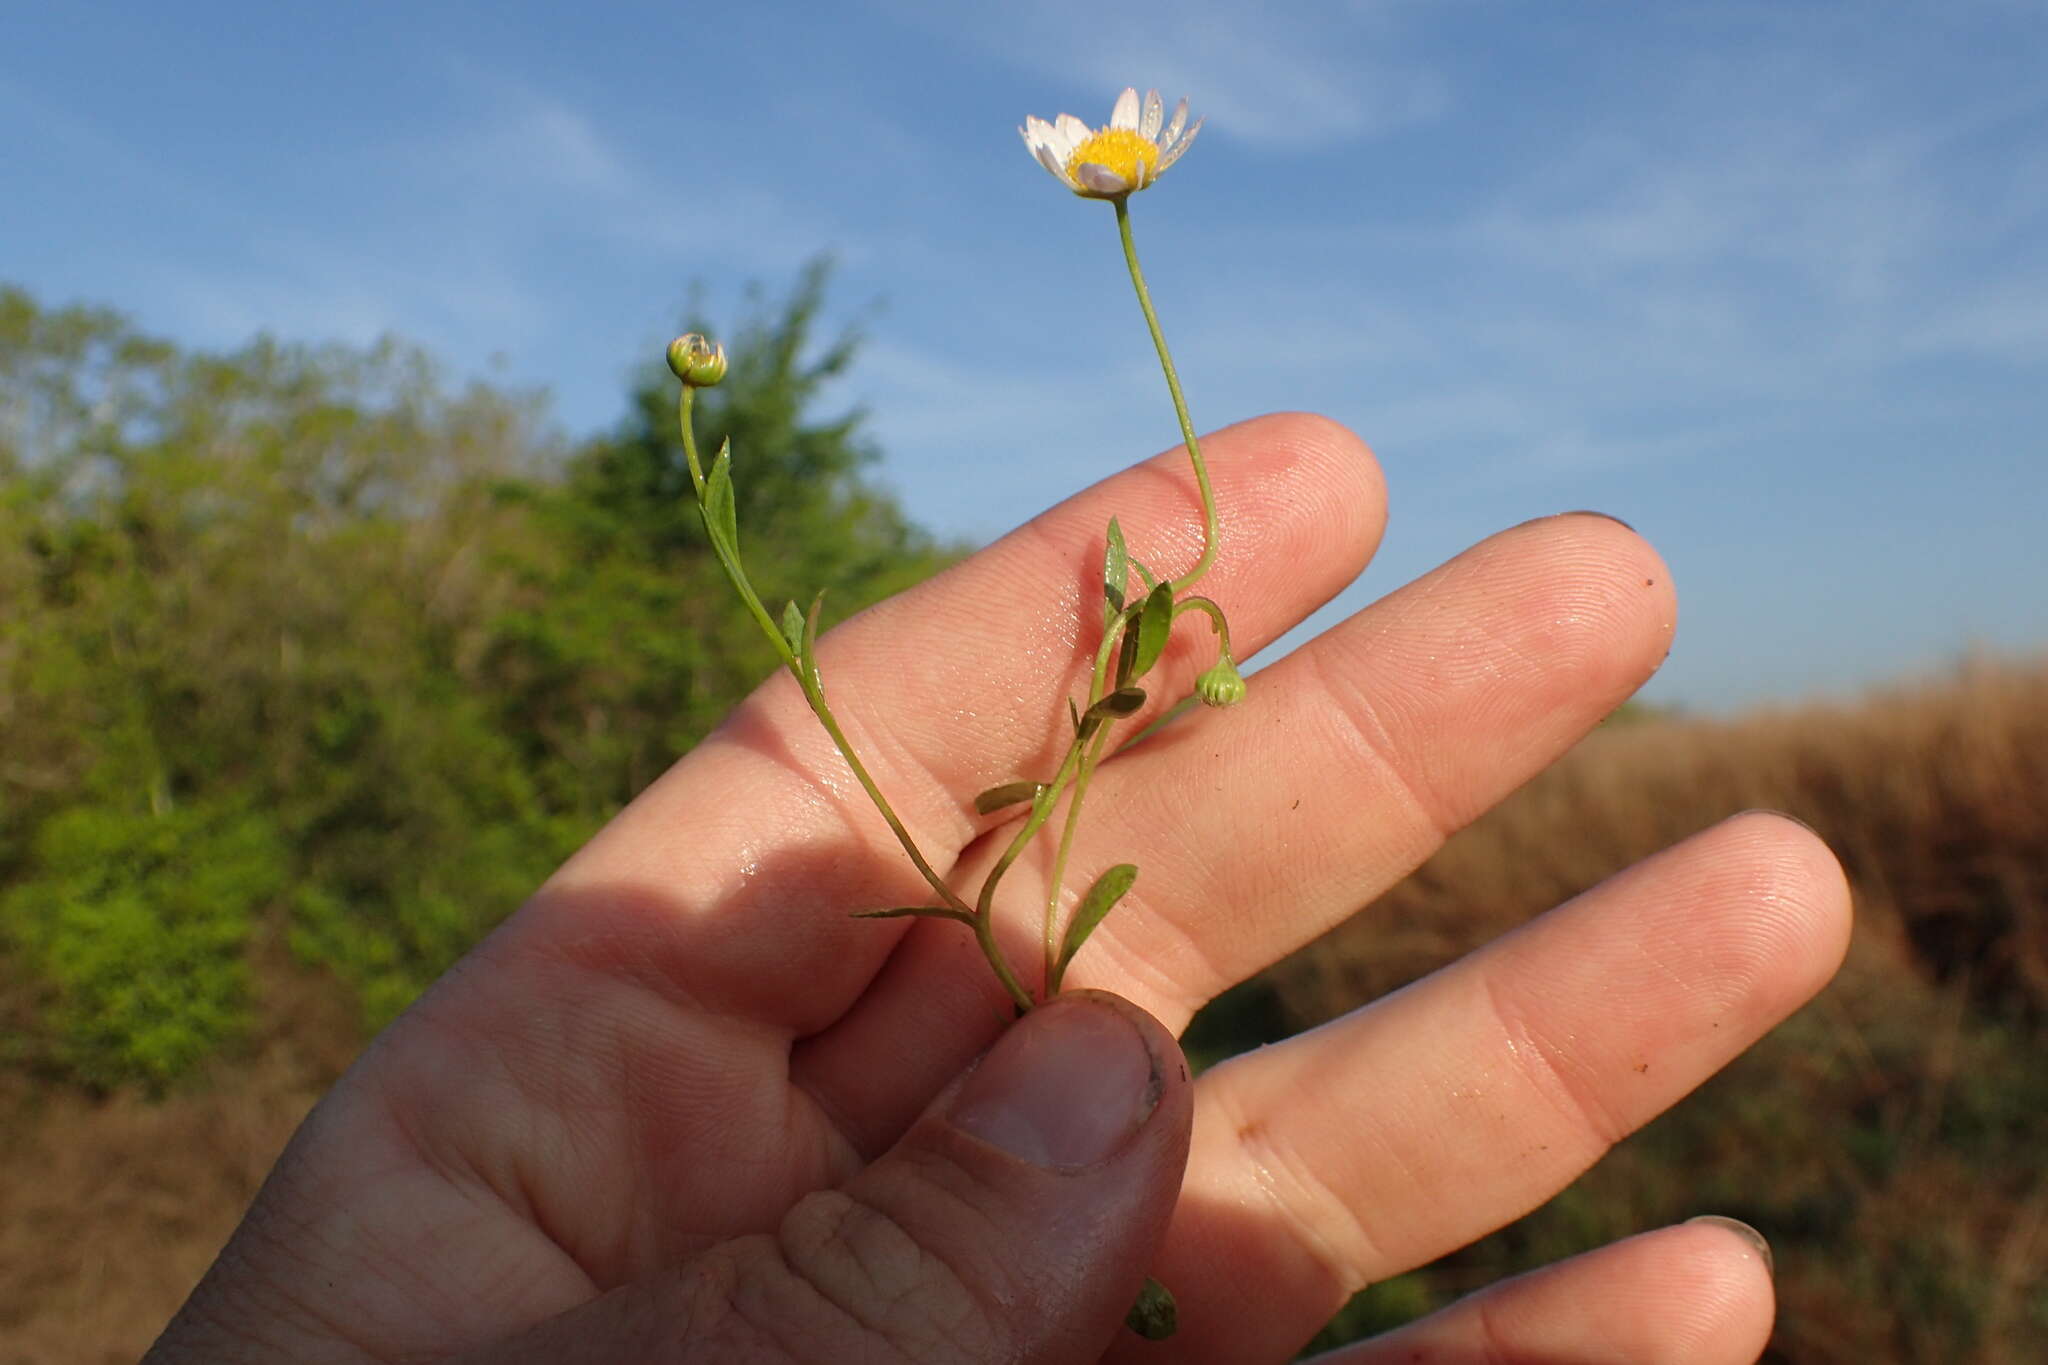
(1222, 685)
(696, 360)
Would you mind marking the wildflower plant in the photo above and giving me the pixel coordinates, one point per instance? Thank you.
(1113, 162)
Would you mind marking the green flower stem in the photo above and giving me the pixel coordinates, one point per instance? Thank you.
(1180, 403)
(1215, 614)
(814, 693)
(1041, 811)
(686, 420)
(1070, 767)
(1086, 770)
(1084, 756)
(1055, 970)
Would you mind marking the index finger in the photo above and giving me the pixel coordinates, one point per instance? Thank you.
(731, 876)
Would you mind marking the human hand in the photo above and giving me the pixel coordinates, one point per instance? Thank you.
(681, 1108)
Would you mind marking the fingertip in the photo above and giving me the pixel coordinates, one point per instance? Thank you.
(1305, 479)
(1073, 1082)
(1720, 1269)
(1752, 1240)
(1637, 573)
(1164, 1046)
(1699, 1293)
(1800, 887)
(1593, 601)
(1295, 435)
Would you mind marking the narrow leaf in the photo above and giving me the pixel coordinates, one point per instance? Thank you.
(920, 911)
(1154, 1316)
(793, 628)
(1008, 794)
(1155, 624)
(1146, 575)
(720, 518)
(1102, 897)
(1119, 703)
(1127, 651)
(1115, 573)
(1074, 714)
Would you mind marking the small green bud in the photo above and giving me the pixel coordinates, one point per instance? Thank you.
(696, 360)
(1222, 685)
(1155, 1316)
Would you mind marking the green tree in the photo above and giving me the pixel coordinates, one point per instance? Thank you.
(619, 555)
(300, 640)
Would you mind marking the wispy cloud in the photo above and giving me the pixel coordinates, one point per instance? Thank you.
(1270, 76)
(541, 169)
(458, 221)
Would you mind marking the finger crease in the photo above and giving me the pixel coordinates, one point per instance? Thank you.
(1306, 1204)
(1570, 1092)
(1376, 742)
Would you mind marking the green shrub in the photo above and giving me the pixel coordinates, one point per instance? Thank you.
(138, 924)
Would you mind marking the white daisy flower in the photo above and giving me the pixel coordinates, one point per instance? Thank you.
(1111, 162)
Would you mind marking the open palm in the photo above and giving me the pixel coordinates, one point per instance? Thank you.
(587, 1140)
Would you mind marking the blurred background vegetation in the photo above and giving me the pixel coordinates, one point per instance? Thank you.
(311, 666)
(302, 644)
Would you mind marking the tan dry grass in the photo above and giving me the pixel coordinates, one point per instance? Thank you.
(1935, 797)
(112, 1206)
(1892, 1139)
(115, 1207)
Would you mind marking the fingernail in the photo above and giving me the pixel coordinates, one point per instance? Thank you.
(1782, 815)
(1609, 516)
(1745, 1232)
(1067, 1086)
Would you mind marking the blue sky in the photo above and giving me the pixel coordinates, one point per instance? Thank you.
(1768, 280)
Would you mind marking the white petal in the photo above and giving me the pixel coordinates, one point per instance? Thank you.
(1101, 179)
(1125, 115)
(1074, 131)
(1043, 136)
(1172, 154)
(1056, 165)
(1155, 109)
(1180, 118)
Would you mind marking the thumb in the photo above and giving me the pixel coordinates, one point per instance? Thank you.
(1014, 1221)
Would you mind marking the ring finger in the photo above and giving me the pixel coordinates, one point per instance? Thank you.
(1438, 1113)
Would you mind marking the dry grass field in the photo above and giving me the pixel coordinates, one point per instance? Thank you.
(113, 1205)
(1891, 1140)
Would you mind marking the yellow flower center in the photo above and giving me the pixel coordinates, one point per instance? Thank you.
(1120, 149)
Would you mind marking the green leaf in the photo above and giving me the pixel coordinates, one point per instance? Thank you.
(1102, 897)
(1155, 624)
(793, 628)
(1145, 574)
(1127, 649)
(720, 519)
(1008, 794)
(1115, 574)
(1121, 702)
(1074, 714)
(1154, 1316)
(920, 911)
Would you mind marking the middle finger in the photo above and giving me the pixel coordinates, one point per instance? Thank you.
(1264, 825)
